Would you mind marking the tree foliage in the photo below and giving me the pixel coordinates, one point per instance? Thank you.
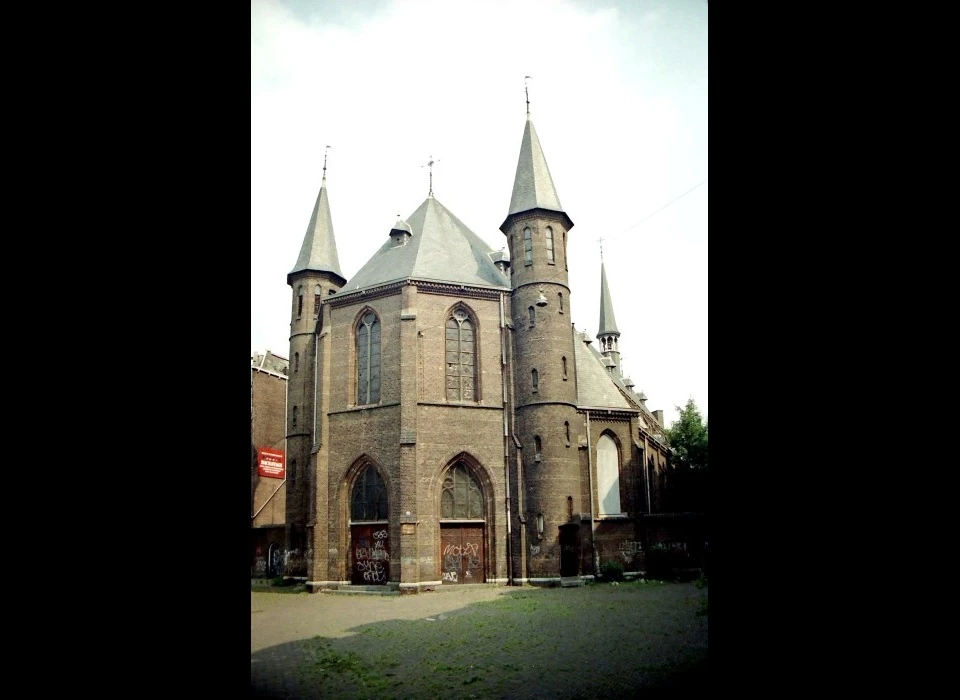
(688, 438)
(687, 487)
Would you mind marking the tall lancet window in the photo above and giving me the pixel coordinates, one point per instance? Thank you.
(299, 301)
(368, 359)
(535, 378)
(527, 246)
(461, 357)
(550, 258)
(608, 476)
(317, 294)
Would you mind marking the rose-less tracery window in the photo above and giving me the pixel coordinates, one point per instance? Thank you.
(462, 497)
(460, 357)
(368, 359)
(369, 501)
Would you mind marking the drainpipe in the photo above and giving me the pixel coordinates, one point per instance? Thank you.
(593, 534)
(506, 436)
(316, 401)
(254, 516)
(646, 474)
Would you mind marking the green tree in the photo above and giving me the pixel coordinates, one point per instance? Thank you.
(687, 487)
(688, 438)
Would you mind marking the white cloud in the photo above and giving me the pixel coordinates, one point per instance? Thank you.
(619, 102)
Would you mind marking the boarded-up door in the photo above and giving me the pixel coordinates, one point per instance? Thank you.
(461, 553)
(370, 550)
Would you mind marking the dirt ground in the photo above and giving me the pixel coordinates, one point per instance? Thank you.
(480, 642)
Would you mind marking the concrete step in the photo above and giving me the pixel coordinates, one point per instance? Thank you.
(365, 590)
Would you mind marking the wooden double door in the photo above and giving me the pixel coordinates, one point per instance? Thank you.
(461, 553)
(370, 552)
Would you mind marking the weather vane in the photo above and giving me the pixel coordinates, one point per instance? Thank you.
(430, 165)
(527, 90)
(326, 148)
(601, 248)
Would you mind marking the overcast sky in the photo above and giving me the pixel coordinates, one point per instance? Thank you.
(618, 95)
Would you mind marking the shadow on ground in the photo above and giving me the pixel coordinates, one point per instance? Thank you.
(593, 642)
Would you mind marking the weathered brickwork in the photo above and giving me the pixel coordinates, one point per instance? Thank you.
(267, 495)
(524, 505)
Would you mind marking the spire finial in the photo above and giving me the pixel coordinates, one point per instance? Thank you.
(601, 248)
(429, 164)
(527, 90)
(326, 148)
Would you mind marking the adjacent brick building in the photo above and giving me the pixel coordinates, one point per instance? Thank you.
(446, 423)
(268, 503)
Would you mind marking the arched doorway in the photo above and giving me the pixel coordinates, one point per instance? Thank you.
(462, 527)
(274, 563)
(369, 535)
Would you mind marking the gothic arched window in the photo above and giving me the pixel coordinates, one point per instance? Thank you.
(527, 246)
(368, 359)
(369, 500)
(299, 301)
(462, 496)
(608, 476)
(460, 347)
(317, 295)
(550, 257)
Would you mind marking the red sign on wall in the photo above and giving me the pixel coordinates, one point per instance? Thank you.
(270, 462)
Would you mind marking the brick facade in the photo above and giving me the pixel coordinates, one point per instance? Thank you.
(503, 480)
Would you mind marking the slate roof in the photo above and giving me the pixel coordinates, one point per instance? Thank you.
(596, 387)
(533, 186)
(608, 323)
(319, 249)
(440, 249)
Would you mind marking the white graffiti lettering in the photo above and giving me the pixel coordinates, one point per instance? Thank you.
(366, 553)
(629, 549)
(380, 535)
(456, 550)
(534, 549)
(449, 575)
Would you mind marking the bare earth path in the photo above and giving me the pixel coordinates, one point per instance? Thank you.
(480, 642)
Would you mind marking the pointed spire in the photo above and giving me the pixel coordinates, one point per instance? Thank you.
(532, 186)
(608, 323)
(319, 249)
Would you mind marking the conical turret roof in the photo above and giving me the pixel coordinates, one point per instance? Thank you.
(319, 249)
(533, 186)
(608, 323)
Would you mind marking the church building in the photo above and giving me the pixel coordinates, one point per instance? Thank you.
(446, 423)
